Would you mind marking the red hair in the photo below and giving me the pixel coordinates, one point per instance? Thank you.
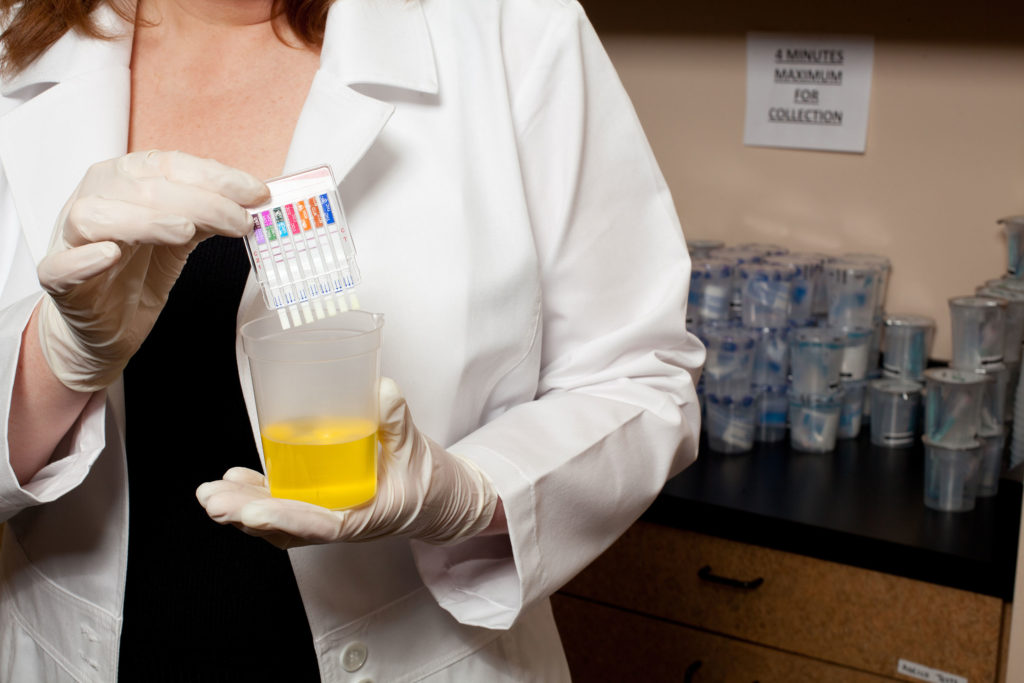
(34, 25)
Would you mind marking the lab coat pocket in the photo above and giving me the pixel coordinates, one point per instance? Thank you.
(23, 658)
(406, 640)
(37, 614)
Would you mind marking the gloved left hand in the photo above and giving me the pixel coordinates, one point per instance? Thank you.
(423, 492)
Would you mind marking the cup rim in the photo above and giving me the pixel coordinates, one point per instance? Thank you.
(909, 320)
(974, 301)
(958, 448)
(896, 385)
(941, 375)
(297, 342)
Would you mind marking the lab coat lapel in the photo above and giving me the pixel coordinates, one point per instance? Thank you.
(48, 142)
(366, 42)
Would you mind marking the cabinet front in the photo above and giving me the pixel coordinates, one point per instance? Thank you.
(861, 619)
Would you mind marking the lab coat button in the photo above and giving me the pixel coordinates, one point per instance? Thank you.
(354, 656)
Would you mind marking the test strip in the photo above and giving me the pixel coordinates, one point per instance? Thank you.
(315, 224)
(331, 259)
(307, 276)
(311, 282)
(319, 261)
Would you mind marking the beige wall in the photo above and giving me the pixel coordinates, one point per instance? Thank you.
(944, 159)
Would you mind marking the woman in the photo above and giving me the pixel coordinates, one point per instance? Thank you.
(513, 227)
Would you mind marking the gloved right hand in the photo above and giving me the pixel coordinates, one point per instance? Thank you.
(119, 245)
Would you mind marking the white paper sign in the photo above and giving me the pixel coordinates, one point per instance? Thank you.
(808, 92)
(915, 670)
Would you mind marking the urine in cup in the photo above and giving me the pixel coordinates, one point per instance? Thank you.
(327, 461)
(316, 389)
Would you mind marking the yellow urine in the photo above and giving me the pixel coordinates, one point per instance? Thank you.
(331, 462)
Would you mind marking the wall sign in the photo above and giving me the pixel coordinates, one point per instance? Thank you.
(808, 92)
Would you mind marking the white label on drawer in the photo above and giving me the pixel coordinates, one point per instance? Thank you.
(926, 673)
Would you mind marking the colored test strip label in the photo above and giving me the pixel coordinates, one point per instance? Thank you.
(304, 215)
(257, 229)
(314, 209)
(293, 222)
(268, 223)
(326, 203)
(282, 228)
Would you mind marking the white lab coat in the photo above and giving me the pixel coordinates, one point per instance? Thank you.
(512, 225)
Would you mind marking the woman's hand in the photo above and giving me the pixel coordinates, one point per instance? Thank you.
(423, 492)
(118, 247)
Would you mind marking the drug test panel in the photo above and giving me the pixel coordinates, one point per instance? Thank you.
(300, 248)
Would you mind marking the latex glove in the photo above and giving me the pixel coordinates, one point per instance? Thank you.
(119, 245)
(423, 492)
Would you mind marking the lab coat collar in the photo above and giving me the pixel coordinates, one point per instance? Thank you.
(48, 142)
(382, 42)
(75, 54)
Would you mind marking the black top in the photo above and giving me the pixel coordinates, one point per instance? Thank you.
(204, 602)
(861, 505)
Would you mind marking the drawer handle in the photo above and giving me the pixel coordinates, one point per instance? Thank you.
(691, 671)
(705, 574)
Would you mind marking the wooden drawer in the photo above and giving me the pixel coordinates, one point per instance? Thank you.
(607, 644)
(862, 619)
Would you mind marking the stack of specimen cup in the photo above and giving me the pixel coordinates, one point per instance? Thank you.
(816, 395)
(766, 291)
(728, 377)
(965, 408)
(774, 294)
(1013, 227)
(801, 344)
(895, 400)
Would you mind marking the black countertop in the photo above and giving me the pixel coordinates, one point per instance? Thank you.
(860, 505)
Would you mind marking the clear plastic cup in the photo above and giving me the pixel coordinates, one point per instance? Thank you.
(990, 465)
(820, 305)
(766, 250)
(766, 290)
(1017, 440)
(865, 418)
(710, 289)
(1013, 380)
(851, 410)
(906, 345)
(895, 406)
(952, 413)
(738, 255)
(808, 270)
(979, 330)
(316, 388)
(1013, 330)
(1006, 282)
(703, 248)
(730, 423)
(815, 359)
(992, 414)
(771, 357)
(951, 475)
(1013, 226)
(856, 353)
(729, 367)
(771, 407)
(814, 421)
(884, 266)
(875, 347)
(852, 293)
